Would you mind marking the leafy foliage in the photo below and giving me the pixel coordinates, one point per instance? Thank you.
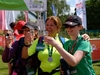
(62, 9)
(20, 16)
(93, 16)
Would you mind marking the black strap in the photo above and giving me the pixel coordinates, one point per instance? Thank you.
(55, 70)
(17, 64)
(62, 39)
(40, 72)
(72, 49)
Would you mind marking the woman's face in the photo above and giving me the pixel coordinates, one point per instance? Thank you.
(51, 28)
(29, 32)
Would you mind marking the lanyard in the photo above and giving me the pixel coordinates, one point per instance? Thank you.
(72, 49)
(50, 51)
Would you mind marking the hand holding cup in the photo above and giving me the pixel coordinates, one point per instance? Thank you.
(9, 37)
(29, 37)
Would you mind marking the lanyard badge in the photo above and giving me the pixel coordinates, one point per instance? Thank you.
(50, 59)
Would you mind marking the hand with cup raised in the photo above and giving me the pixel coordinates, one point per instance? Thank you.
(9, 37)
(29, 37)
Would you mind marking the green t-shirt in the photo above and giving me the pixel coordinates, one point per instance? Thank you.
(84, 67)
(43, 56)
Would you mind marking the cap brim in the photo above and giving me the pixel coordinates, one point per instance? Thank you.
(27, 27)
(70, 23)
(24, 27)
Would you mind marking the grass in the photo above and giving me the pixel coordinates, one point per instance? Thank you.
(96, 67)
(4, 67)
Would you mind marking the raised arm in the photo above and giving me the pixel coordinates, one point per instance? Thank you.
(73, 60)
(27, 43)
(9, 50)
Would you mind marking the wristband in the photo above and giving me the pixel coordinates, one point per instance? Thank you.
(26, 45)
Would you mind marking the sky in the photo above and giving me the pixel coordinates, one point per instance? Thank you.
(71, 3)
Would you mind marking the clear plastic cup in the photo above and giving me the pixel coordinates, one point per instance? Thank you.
(43, 32)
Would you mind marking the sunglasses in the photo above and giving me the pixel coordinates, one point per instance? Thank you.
(68, 26)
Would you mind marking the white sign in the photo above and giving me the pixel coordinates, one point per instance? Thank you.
(36, 5)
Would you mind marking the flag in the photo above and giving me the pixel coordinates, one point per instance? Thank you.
(2, 28)
(9, 17)
(2, 20)
(26, 15)
(81, 11)
(54, 10)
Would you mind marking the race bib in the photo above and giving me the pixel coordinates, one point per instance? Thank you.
(40, 47)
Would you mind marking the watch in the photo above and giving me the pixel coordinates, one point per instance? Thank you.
(26, 45)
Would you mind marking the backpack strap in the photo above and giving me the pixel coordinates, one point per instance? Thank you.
(18, 53)
(62, 40)
(36, 61)
(57, 69)
(40, 41)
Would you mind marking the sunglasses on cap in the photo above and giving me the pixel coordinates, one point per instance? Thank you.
(68, 26)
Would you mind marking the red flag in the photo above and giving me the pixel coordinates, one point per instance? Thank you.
(2, 27)
(2, 20)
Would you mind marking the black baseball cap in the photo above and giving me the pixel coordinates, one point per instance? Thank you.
(30, 25)
(73, 20)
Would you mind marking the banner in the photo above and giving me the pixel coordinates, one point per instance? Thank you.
(54, 10)
(81, 11)
(35, 5)
(9, 17)
(26, 15)
(2, 20)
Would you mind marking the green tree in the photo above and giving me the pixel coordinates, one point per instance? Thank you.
(62, 8)
(93, 14)
(20, 16)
